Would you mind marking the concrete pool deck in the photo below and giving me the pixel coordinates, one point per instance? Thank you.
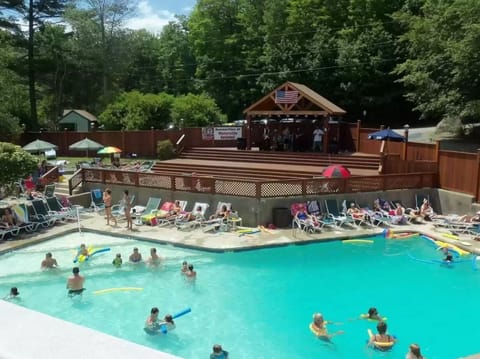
(230, 241)
(46, 345)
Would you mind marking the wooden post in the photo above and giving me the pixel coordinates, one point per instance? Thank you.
(477, 178)
(248, 134)
(437, 152)
(359, 127)
(325, 127)
(405, 145)
(152, 138)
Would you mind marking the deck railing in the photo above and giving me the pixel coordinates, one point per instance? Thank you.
(253, 188)
(75, 181)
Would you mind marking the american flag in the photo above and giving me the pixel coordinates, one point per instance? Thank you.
(286, 96)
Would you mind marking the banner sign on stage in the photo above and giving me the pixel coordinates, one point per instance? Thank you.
(221, 133)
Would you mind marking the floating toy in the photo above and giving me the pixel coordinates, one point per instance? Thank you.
(91, 251)
(383, 346)
(365, 241)
(453, 248)
(109, 290)
(403, 235)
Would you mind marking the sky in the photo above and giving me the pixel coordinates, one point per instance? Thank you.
(152, 15)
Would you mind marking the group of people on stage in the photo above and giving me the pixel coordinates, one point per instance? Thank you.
(285, 140)
(381, 341)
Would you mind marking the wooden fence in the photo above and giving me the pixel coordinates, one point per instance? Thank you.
(252, 188)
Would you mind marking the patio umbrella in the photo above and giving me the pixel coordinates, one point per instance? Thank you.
(336, 171)
(386, 135)
(85, 145)
(38, 146)
(109, 150)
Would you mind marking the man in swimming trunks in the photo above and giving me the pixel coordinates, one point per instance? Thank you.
(135, 257)
(154, 259)
(49, 262)
(75, 283)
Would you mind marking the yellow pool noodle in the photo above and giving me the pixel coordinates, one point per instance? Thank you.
(109, 290)
(357, 241)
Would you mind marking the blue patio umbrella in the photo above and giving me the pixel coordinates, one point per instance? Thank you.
(386, 135)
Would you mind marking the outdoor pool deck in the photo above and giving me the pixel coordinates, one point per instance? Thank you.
(227, 241)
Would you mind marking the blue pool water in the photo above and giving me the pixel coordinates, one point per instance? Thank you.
(258, 304)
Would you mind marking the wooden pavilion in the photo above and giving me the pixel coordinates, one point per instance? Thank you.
(293, 101)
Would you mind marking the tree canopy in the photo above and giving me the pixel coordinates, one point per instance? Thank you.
(397, 60)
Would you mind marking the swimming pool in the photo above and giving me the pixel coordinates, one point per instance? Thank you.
(258, 304)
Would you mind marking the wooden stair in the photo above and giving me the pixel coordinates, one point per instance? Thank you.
(289, 158)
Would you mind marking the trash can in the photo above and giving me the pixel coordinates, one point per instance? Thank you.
(282, 217)
(241, 143)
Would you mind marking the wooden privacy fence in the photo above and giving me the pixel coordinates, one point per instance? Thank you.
(252, 188)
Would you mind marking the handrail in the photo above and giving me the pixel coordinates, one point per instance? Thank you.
(179, 149)
(50, 176)
(75, 180)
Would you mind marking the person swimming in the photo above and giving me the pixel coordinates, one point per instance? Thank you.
(75, 283)
(373, 314)
(117, 261)
(14, 293)
(136, 256)
(152, 324)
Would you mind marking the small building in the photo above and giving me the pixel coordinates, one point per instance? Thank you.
(77, 120)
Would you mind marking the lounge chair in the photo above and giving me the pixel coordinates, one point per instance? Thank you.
(171, 217)
(151, 209)
(194, 219)
(118, 210)
(376, 218)
(49, 190)
(97, 200)
(335, 214)
(28, 217)
(303, 220)
(8, 233)
(42, 212)
(56, 208)
(352, 210)
(419, 198)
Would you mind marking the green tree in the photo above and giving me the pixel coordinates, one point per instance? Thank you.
(196, 111)
(37, 12)
(13, 90)
(176, 63)
(137, 111)
(15, 163)
(442, 39)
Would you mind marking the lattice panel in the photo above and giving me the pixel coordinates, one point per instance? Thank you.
(154, 180)
(127, 178)
(411, 181)
(92, 176)
(364, 184)
(233, 188)
(321, 186)
(183, 183)
(279, 189)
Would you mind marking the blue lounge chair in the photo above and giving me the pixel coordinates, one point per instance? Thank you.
(97, 200)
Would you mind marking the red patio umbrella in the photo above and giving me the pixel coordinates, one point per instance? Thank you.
(336, 171)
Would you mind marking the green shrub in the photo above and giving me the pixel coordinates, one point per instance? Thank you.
(165, 150)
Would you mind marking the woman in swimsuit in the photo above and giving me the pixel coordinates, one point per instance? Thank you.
(107, 199)
(382, 337)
